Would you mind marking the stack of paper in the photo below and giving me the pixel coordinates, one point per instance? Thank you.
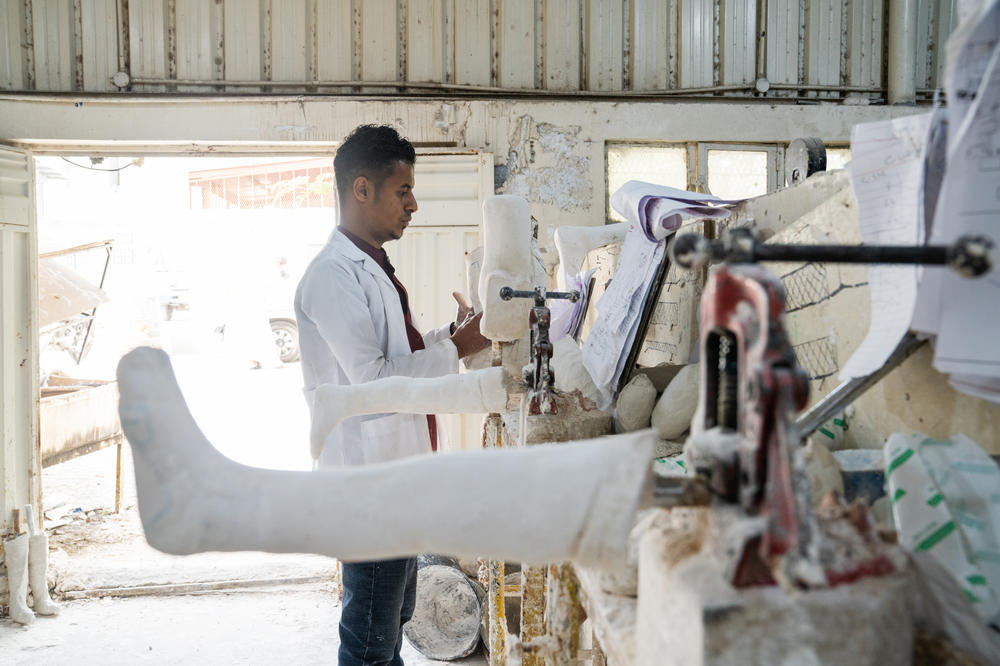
(567, 317)
(886, 172)
(659, 210)
(964, 313)
(653, 212)
(932, 178)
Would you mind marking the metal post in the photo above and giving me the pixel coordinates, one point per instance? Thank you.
(118, 476)
(902, 84)
(493, 438)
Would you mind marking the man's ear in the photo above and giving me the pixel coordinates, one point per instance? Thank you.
(362, 188)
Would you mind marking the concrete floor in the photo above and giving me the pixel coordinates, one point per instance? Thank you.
(256, 417)
(289, 625)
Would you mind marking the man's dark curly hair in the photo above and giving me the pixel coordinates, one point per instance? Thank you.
(370, 151)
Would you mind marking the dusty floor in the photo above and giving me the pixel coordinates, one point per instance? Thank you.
(277, 609)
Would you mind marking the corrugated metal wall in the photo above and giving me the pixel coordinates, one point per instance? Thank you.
(801, 47)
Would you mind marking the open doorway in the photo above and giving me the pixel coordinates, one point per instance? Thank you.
(201, 256)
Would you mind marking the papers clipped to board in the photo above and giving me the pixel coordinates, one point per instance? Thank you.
(653, 213)
(932, 178)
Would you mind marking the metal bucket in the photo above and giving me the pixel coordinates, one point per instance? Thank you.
(449, 610)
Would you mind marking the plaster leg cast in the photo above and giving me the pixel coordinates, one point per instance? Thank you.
(574, 501)
(468, 393)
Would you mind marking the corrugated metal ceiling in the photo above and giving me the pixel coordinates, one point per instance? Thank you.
(597, 47)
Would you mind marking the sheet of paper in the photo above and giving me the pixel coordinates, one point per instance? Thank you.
(970, 204)
(987, 388)
(969, 49)
(567, 317)
(968, 52)
(653, 213)
(886, 172)
(636, 266)
(606, 348)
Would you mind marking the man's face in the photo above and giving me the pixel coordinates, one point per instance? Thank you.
(389, 211)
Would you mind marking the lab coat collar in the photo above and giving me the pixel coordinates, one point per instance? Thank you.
(343, 244)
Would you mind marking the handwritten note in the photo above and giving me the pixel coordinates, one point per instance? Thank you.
(886, 171)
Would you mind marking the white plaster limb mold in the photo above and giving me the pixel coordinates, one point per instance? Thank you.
(570, 374)
(674, 410)
(635, 404)
(468, 393)
(15, 555)
(575, 501)
(507, 262)
(38, 566)
(573, 244)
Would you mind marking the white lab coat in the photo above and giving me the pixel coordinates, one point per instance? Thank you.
(352, 330)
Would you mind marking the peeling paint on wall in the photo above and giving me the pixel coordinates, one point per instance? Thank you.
(549, 164)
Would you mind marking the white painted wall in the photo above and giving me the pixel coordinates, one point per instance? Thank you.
(553, 153)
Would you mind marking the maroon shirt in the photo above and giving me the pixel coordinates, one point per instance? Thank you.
(412, 334)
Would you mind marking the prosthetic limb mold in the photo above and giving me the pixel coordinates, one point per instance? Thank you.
(38, 565)
(470, 393)
(574, 501)
(573, 244)
(15, 556)
(507, 262)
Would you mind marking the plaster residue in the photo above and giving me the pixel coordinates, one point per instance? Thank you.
(452, 120)
(549, 164)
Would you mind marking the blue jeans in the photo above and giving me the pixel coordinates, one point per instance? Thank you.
(378, 600)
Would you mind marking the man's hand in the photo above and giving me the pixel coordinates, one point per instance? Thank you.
(464, 309)
(467, 338)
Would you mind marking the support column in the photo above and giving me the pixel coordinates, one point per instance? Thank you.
(902, 84)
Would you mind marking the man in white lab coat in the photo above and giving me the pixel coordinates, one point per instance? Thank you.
(355, 326)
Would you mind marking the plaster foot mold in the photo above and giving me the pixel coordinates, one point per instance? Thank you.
(469, 393)
(38, 566)
(573, 244)
(574, 501)
(674, 410)
(15, 558)
(38, 563)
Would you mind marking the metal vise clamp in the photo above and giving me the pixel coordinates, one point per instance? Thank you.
(538, 376)
(742, 438)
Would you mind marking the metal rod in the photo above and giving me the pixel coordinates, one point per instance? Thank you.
(849, 391)
(93, 313)
(507, 293)
(458, 87)
(854, 254)
(969, 255)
